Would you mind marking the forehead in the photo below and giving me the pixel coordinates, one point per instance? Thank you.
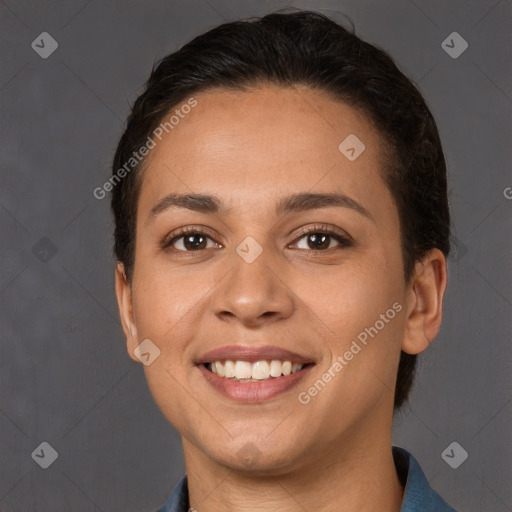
(263, 141)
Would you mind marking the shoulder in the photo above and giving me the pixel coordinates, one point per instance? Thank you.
(178, 500)
(418, 494)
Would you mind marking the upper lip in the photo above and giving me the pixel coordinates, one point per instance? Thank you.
(251, 353)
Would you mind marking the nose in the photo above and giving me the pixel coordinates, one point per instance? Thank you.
(253, 293)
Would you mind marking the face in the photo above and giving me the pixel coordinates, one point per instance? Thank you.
(294, 256)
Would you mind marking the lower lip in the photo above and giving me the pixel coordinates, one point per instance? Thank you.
(253, 392)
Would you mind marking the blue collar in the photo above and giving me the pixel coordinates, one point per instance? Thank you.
(418, 495)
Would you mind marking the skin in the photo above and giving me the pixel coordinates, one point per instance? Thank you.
(250, 149)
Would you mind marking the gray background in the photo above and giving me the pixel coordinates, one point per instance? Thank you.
(65, 375)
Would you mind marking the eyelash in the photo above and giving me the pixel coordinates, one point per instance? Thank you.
(317, 230)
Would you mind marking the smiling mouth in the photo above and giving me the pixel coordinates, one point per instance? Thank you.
(257, 371)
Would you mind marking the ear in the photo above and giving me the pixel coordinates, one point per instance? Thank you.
(124, 302)
(425, 302)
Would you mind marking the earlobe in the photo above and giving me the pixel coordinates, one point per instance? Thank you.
(124, 302)
(425, 302)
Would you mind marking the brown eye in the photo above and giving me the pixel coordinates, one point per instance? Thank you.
(189, 240)
(195, 241)
(317, 240)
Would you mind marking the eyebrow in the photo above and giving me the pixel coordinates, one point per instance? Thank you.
(304, 201)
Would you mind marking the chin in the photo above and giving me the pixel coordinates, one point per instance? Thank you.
(257, 457)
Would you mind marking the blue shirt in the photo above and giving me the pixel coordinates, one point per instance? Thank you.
(418, 495)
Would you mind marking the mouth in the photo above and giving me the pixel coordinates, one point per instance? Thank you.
(252, 374)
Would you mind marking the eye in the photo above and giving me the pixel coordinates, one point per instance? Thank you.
(190, 239)
(316, 238)
(321, 239)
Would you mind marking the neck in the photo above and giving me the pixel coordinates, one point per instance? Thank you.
(352, 474)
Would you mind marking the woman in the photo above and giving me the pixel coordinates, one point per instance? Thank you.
(281, 234)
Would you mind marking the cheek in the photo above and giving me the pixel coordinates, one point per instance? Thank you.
(163, 304)
(359, 312)
(363, 315)
(166, 309)
(351, 295)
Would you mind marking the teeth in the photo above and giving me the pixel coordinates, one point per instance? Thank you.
(257, 371)
(243, 370)
(275, 368)
(220, 369)
(229, 369)
(260, 370)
